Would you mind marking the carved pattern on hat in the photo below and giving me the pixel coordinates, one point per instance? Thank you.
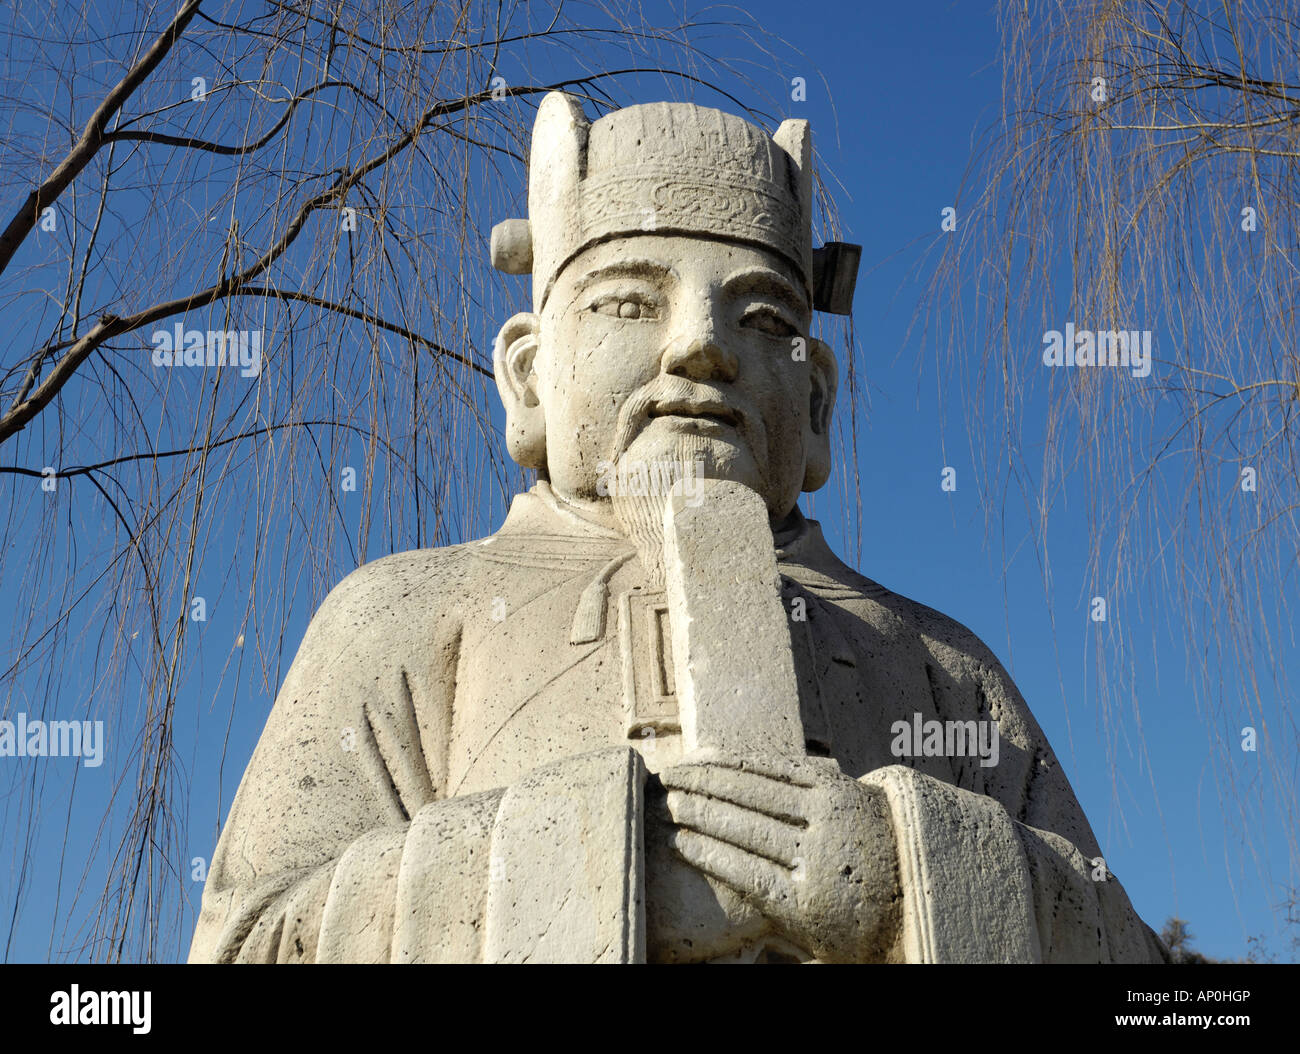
(694, 200)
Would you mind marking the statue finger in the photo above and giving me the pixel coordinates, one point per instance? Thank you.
(774, 798)
(752, 831)
(796, 772)
(747, 874)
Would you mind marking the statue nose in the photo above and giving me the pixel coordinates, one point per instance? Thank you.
(700, 356)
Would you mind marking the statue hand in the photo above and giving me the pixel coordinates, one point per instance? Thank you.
(810, 847)
(690, 916)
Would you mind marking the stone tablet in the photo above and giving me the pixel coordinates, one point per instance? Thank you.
(736, 686)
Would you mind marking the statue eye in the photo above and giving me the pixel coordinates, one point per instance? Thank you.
(631, 308)
(769, 321)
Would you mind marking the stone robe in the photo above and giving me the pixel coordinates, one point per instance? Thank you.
(455, 768)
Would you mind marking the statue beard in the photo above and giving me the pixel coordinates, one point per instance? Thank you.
(640, 516)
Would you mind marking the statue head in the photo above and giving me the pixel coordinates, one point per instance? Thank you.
(674, 282)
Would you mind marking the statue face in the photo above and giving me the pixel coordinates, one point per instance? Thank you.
(655, 348)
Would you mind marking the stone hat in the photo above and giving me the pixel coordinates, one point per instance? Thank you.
(669, 168)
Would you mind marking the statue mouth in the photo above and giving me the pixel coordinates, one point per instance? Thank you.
(708, 410)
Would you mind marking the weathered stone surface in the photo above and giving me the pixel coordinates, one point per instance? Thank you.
(626, 728)
(581, 818)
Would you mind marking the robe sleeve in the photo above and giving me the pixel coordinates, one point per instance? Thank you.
(336, 835)
(340, 848)
(1082, 913)
(980, 887)
(998, 865)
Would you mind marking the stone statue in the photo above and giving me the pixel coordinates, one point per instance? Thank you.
(653, 717)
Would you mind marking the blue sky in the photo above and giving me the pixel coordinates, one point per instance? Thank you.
(910, 85)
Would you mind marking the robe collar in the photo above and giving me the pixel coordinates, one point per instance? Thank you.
(543, 531)
(541, 528)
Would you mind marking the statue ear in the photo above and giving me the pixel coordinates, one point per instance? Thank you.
(512, 362)
(823, 382)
